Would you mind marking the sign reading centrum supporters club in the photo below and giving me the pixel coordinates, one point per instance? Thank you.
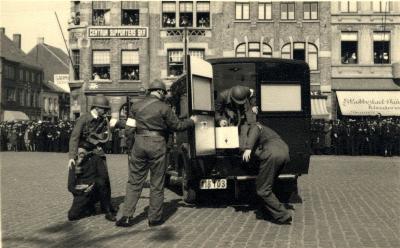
(118, 32)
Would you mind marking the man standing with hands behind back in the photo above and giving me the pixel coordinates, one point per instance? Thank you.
(150, 121)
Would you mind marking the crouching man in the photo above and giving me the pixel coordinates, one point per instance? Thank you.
(88, 183)
(272, 153)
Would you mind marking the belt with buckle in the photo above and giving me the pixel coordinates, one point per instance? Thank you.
(144, 132)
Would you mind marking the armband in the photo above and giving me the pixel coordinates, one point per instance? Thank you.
(131, 122)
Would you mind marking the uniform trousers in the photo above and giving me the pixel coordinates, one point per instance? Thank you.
(148, 153)
(273, 156)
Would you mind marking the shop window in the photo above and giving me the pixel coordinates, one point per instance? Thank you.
(168, 14)
(287, 11)
(130, 17)
(203, 14)
(130, 65)
(380, 6)
(381, 47)
(76, 66)
(101, 65)
(242, 11)
(175, 60)
(348, 6)
(349, 46)
(264, 10)
(185, 14)
(101, 13)
(310, 11)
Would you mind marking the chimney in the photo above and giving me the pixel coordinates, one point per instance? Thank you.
(40, 40)
(17, 40)
(2, 30)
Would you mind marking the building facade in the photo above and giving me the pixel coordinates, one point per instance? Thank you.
(365, 57)
(20, 81)
(118, 47)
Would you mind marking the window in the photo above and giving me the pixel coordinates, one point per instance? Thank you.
(130, 13)
(9, 72)
(348, 6)
(175, 60)
(310, 11)
(32, 77)
(287, 11)
(26, 78)
(21, 97)
(264, 11)
(101, 13)
(32, 99)
(21, 75)
(312, 56)
(168, 14)
(349, 47)
(76, 60)
(101, 65)
(254, 50)
(75, 14)
(280, 97)
(185, 14)
(10, 95)
(203, 14)
(130, 65)
(300, 51)
(27, 98)
(242, 11)
(381, 47)
(380, 6)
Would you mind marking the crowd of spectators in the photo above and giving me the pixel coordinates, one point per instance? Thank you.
(365, 136)
(44, 136)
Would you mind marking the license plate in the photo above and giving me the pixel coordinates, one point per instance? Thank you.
(213, 184)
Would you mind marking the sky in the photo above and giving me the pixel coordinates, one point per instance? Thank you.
(35, 18)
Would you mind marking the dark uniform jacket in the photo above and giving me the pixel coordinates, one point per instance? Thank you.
(83, 127)
(152, 114)
(259, 135)
(226, 110)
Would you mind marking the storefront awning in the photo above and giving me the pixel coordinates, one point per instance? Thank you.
(369, 103)
(15, 116)
(318, 108)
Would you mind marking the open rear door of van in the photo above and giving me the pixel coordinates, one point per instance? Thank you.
(200, 92)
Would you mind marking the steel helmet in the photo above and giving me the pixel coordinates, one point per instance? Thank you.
(100, 101)
(157, 85)
(239, 94)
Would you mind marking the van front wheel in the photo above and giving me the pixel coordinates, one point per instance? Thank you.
(188, 192)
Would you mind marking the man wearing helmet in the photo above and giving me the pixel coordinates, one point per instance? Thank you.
(235, 106)
(151, 120)
(88, 178)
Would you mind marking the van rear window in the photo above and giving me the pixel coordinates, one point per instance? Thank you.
(280, 97)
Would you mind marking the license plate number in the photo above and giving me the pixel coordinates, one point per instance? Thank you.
(213, 184)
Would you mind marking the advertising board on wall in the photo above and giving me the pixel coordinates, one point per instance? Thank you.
(369, 103)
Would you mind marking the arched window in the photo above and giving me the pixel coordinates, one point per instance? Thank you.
(241, 50)
(266, 51)
(254, 49)
(312, 56)
(301, 52)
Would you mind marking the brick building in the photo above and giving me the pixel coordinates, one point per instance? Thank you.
(54, 99)
(20, 81)
(118, 47)
(365, 58)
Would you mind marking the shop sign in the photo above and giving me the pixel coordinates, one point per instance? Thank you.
(364, 103)
(61, 80)
(118, 32)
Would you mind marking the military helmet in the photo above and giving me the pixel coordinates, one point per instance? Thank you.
(100, 101)
(157, 85)
(239, 94)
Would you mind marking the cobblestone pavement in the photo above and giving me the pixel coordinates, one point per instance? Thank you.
(347, 202)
